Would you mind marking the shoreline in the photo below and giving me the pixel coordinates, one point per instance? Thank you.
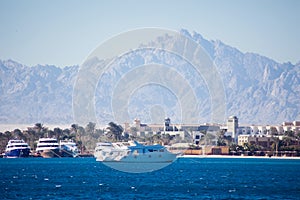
(237, 157)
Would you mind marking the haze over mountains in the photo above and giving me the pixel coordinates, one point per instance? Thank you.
(258, 89)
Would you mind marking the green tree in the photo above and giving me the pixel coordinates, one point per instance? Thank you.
(38, 127)
(166, 138)
(90, 128)
(221, 141)
(41, 130)
(287, 140)
(82, 139)
(115, 131)
(276, 145)
(58, 133)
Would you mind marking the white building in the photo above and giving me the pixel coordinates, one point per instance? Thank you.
(244, 130)
(232, 125)
(179, 134)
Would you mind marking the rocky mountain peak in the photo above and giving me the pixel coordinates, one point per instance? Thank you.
(258, 89)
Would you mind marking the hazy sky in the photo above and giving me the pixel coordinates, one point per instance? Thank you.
(64, 33)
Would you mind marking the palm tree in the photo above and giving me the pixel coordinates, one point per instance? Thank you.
(32, 137)
(166, 138)
(156, 138)
(287, 141)
(221, 141)
(5, 137)
(276, 145)
(75, 130)
(90, 128)
(115, 131)
(40, 129)
(78, 132)
(58, 133)
(298, 138)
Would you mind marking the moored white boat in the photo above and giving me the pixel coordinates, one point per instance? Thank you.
(68, 148)
(17, 149)
(48, 148)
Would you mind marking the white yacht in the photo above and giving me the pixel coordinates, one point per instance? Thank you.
(68, 148)
(134, 157)
(48, 148)
(16, 149)
(107, 151)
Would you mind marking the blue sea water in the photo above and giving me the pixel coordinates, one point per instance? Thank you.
(187, 178)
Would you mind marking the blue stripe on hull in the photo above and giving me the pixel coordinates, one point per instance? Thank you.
(18, 153)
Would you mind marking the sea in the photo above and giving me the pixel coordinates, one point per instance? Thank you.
(186, 178)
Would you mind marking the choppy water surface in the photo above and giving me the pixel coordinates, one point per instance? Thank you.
(204, 178)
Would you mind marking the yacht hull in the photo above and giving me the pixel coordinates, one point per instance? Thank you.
(17, 153)
(50, 153)
(68, 151)
(137, 167)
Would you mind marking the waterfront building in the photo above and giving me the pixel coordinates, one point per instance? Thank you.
(254, 130)
(167, 126)
(296, 123)
(279, 129)
(195, 133)
(232, 125)
(186, 132)
(208, 150)
(287, 128)
(262, 130)
(242, 130)
(264, 141)
(179, 135)
(291, 126)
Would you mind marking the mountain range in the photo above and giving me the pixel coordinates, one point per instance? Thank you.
(258, 90)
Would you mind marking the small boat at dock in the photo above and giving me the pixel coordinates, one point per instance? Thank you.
(48, 148)
(16, 149)
(68, 148)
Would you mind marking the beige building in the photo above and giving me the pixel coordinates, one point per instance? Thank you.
(258, 140)
(208, 150)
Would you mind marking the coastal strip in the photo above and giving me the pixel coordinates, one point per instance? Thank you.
(232, 156)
